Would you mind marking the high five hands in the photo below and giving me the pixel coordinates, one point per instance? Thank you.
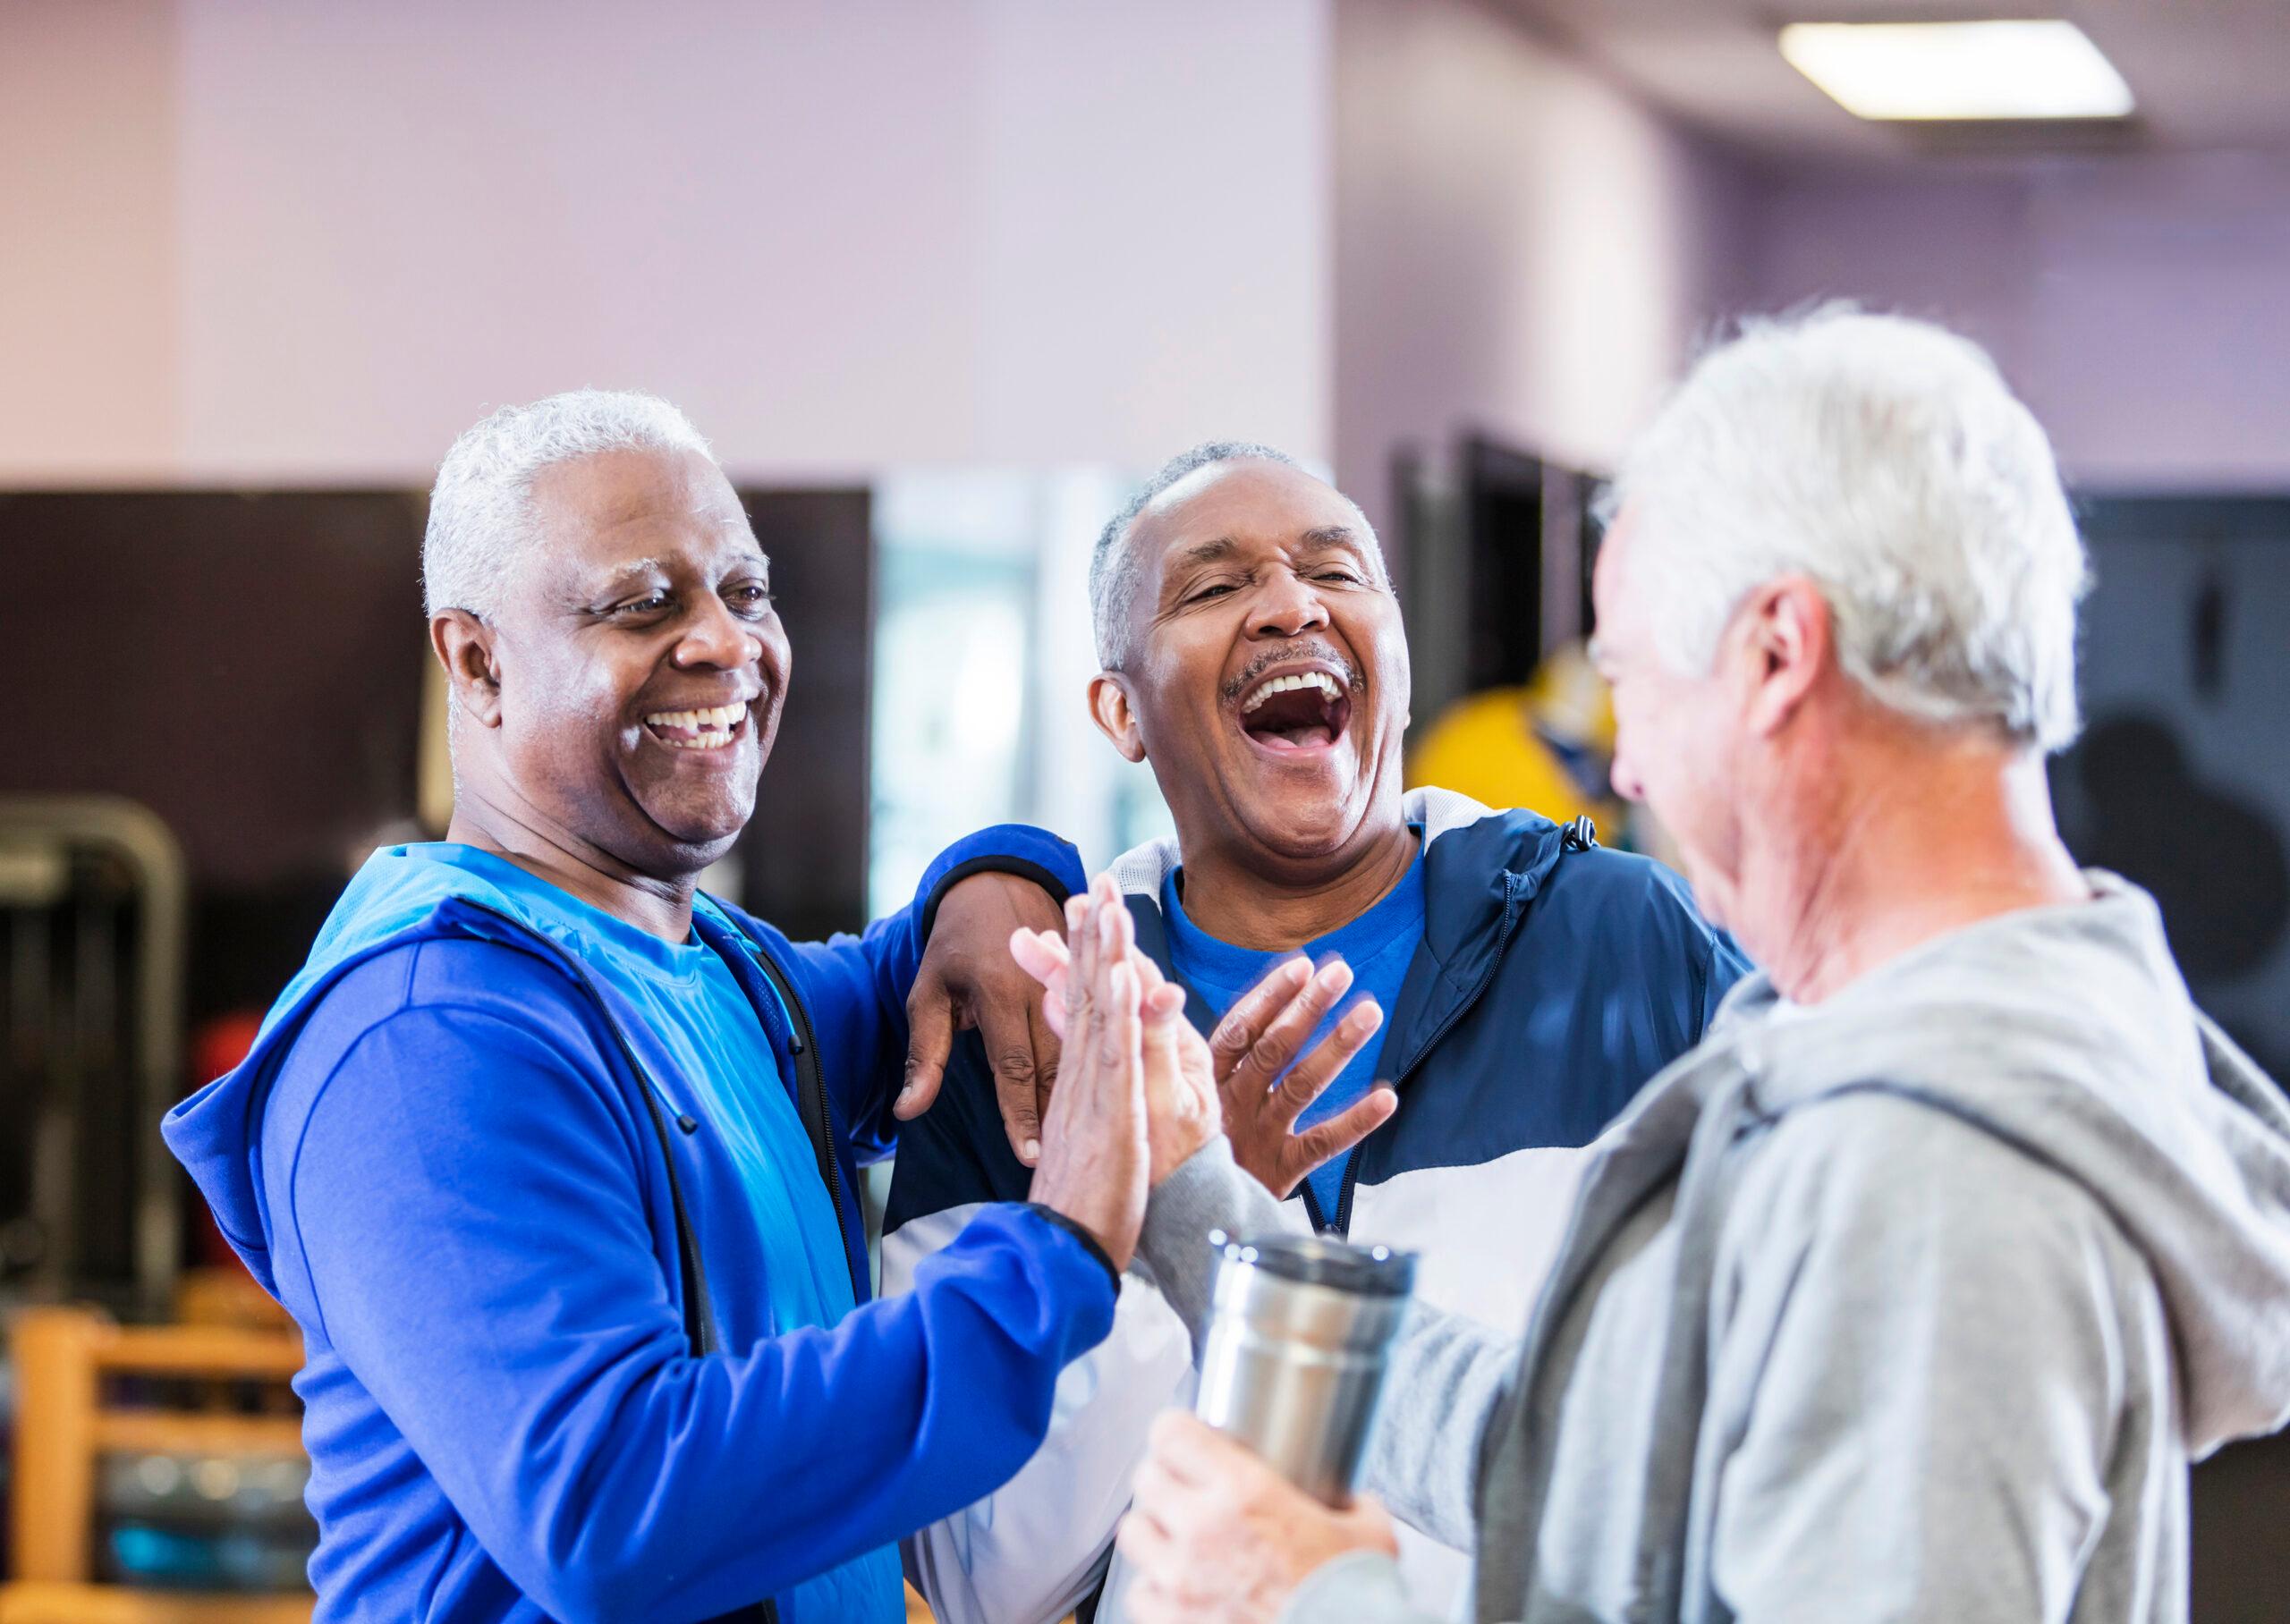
(1242, 1076)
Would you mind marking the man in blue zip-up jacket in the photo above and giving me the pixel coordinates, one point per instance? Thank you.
(1514, 984)
(552, 1157)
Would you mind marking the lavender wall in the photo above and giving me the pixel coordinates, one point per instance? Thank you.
(2141, 305)
(1521, 249)
(308, 241)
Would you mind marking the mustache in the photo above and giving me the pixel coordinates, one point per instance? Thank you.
(1354, 678)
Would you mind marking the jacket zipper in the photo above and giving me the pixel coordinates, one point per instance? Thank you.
(811, 1088)
(1511, 883)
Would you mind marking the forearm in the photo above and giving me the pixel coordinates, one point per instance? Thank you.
(1208, 1192)
(1447, 1375)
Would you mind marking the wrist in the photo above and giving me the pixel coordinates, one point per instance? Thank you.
(1081, 1232)
(1001, 865)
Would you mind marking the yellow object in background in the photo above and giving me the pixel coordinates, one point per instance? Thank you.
(1544, 747)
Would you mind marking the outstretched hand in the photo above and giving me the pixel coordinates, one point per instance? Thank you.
(1240, 1076)
(1264, 1086)
(1095, 1156)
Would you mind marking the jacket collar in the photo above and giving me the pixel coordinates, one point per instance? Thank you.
(1482, 868)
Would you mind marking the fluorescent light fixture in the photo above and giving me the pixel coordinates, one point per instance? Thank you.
(1958, 70)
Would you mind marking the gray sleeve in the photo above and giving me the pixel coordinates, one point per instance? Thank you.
(1207, 1191)
(1448, 1377)
(1363, 1587)
(1446, 1384)
(1930, 1361)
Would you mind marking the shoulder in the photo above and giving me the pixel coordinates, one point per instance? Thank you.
(1887, 1170)
(443, 995)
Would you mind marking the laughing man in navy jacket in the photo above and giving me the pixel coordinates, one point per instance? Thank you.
(1513, 982)
(552, 1157)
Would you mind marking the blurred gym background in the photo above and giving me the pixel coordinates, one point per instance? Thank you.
(942, 279)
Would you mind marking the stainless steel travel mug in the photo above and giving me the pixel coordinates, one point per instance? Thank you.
(1299, 1330)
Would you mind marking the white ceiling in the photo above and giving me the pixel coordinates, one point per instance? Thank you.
(2208, 75)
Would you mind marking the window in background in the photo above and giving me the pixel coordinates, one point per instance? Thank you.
(983, 656)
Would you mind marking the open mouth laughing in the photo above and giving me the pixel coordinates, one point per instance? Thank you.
(1296, 710)
(713, 728)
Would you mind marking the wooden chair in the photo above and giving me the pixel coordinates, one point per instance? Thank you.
(64, 1425)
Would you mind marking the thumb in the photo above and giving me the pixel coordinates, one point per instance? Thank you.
(929, 1039)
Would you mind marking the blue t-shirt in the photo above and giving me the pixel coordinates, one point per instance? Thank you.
(1378, 946)
(700, 1015)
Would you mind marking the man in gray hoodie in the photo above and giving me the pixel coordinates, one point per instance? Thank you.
(1912, 1292)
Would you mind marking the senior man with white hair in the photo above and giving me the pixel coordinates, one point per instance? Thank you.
(1911, 1292)
(553, 1157)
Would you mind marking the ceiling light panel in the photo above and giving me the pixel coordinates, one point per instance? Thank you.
(1932, 70)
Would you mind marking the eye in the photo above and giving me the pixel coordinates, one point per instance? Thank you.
(1346, 576)
(1214, 589)
(751, 598)
(637, 608)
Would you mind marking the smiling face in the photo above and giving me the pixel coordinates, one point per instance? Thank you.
(638, 666)
(1268, 681)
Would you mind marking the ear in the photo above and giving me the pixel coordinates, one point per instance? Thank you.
(1787, 643)
(1110, 709)
(464, 647)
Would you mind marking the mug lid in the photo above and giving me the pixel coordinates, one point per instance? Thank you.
(1318, 1260)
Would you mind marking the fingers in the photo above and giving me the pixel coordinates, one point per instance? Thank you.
(1331, 1139)
(1041, 954)
(1252, 1011)
(1195, 1454)
(1047, 1052)
(1008, 1038)
(1306, 1080)
(1267, 1055)
(929, 1039)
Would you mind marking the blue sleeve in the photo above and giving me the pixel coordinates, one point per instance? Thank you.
(1728, 965)
(476, 1245)
(856, 986)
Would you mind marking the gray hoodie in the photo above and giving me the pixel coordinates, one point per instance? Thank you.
(1913, 1305)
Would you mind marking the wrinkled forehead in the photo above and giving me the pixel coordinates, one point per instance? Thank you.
(1247, 508)
(621, 512)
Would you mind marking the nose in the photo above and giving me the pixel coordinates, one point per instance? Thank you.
(1626, 781)
(715, 636)
(1286, 607)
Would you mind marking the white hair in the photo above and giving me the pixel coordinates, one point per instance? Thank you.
(1885, 459)
(481, 510)
(1114, 568)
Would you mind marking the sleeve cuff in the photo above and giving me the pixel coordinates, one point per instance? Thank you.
(1358, 1588)
(1088, 1241)
(1029, 853)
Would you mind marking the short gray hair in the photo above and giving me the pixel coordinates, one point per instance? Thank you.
(1113, 570)
(481, 510)
(1886, 460)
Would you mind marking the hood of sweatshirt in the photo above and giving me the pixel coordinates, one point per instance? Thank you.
(2068, 1032)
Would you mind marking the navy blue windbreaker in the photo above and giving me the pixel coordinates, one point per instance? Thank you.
(1554, 979)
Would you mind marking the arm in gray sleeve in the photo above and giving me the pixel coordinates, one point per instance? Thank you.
(1206, 1191)
(1363, 1587)
(1448, 1376)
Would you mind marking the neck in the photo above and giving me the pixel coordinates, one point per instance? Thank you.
(1933, 837)
(509, 827)
(1233, 895)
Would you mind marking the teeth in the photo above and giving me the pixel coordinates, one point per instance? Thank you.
(1320, 679)
(719, 717)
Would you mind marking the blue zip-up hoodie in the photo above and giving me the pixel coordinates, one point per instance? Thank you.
(446, 1157)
